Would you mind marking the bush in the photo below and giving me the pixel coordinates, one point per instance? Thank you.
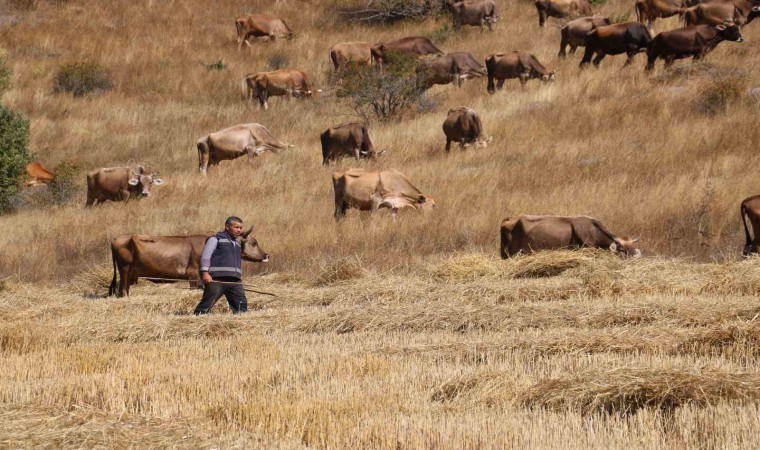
(219, 65)
(14, 155)
(441, 35)
(5, 77)
(389, 11)
(82, 78)
(620, 18)
(715, 95)
(65, 184)
(276, 62)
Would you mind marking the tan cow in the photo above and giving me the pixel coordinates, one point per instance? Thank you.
(171, 257)
(528, 234)
(561, 9)
(250, 139)
(414, 46)
(38, 175)
(453, 67)
(359, 53)
(370, 190)
(574, 33)
(463, 125)
(476, 13)
(750, 209)
(346, 139)
(261, 25)
(282, 82)
(119, 184)
(651, 10)
(515, 64)
(740, 12)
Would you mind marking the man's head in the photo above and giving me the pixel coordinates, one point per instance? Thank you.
(233, 226)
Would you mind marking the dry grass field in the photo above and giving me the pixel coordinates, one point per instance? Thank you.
(383, 335)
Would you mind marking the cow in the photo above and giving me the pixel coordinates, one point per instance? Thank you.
(629, 38)
(651, 10)
(346, 139)
(561, 9)
(574, 33)
(750, 209)
(476, 13)
(740, 12)
(38, 175)
(515, 64)
(414, 46)
(453, 67)
(282, 82)
(350, 52)
(528, 234)
(260, 25)
(250, 139)
(463, 125)
(370, 190)
(695, 41)
(170, 257)
(119, 184)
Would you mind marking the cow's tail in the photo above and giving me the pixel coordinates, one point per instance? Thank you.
(245, 88)
(203, 149)
(640, 11)
(240, 32)
(113, 287)
(491, 71)
(743, 212)
(325, 138)
(334, 58)
(504, 234)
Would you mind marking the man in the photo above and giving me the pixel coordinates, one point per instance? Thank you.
(220, 262)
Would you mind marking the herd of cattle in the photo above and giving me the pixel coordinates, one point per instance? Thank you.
(707, 23)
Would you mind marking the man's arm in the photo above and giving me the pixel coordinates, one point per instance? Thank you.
(208, 250)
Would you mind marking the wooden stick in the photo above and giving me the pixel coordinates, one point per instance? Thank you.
(213, 281)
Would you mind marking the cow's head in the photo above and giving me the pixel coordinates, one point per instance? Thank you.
(251, 249)
(730, 32)
(454, 5)
(753, 13)
(626, 247)
(425, 202)
(548, 76)
(140, 183)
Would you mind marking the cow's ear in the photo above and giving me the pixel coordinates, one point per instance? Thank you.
(158, 181)
(246, 233)
(756, 8)
(421, 199)
(133, 182)
(721, 27)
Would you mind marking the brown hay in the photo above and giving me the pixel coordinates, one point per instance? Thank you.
(339, 270)
(552, 263)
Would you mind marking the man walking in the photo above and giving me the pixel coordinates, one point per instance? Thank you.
(221, 271)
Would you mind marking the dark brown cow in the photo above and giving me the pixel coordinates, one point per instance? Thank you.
(119, 184)
(453, 67)
(38, 175)
(528, 234)
(282, 82)
(261, 25)
(629, 38)
(350, 52)
(515, 64)
(651, 10)
(250, 139)
(370, 190)
(476, 13)
(463, 125)
(695, 41)
(346, 139)
(172, 257)
(561, 9)
(750, 209)
(414, 45)
(574, 33)
(740, 12)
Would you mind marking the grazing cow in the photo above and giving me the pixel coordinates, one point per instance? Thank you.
(172, 257)
(476, 13)
(261, 25)
(515, 64)
(629, 38)
(250, 139)
(453, 67)
(574, 33)
(282, 82)
(38, 175)
(651, 10)
(528, 234)
(118, 184)
(346, 139)
(415, 46)
(695, 41)
(370, 190)
(350, 52)
(561, 9)
(750, 209)
(463, 125)
(740, 12)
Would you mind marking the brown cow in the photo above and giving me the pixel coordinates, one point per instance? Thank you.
(370, 190)
(574, 33)
(282, 82)
(695, 41)
(651, 10)
(476, 13)
(629, 38)
(561, 9)
(171, 257)
(346, 139)
(38, 175)
(414, 45)
(250, 139)
(515, 64)
(350, 52)
(740, 12)
(527, 234)
(463, 125)
(261, 25)
(750, 209)
(119, 184)
(453, 67)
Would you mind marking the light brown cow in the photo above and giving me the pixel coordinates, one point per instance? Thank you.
(414, 46)
(359, 53)
(250, 139)
(282, 82)
(38, 175)
(740, 12)
(119, 184)
(453, 67)
(574, 33)
(370, 190)
(651, 10)
(463, 125)
(346, 139)
(528, 234)
(515, 64)
(476, 13)
(561, 9)
(750, 209)
(261, 25)
(171, 257)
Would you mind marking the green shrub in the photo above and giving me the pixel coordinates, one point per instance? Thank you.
(5, 77)
(219, 65)
(278, 61)
(66, 182)
(715, 95)
(14, 155)
(620, 18)
(82, 78)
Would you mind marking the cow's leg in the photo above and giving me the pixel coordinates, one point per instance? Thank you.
(461, 144)
(587, 55)
(394, 211)
(124, 195)
(669, 61)
(90, 198)
(630, 54)
(541, 18)
(357, 153)
(524, 79)
(599, 57)
(123, 282)
(448, 145)
(500, 84)
(573, 48)
(263, 99)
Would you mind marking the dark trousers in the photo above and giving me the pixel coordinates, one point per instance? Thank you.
(233, 292)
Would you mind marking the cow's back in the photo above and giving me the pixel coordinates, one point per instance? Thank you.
(234, 138)
(166, 256)
(108, 180)
(393, 183)
(508, 65)
(358, 186)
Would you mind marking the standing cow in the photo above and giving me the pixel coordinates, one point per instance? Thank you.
(629, 38)
(250, 139)
(358, 53)
(561, 9)
(118, 184)
(515, 64)
(346, 139)
(574, 33)
(750, 209)
(740, 12)
(695, 41)
(283, 82)
(260, 25)
(413, 46)
(651, 10)
(453, 67)
(463, 125)
(476, 13)
(370, 190)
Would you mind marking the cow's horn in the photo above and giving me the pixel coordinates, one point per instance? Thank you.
(637, 239)
(246, 233)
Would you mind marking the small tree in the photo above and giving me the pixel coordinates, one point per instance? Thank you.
(14, 140)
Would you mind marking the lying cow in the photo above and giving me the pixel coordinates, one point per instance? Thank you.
(740, 12)
(282, 82)
(516, 64)
(463, 125)
(38, 175)
(414, 46)
(528, 234)
(476, 13)
(651, 10)
(370, 190)
(358, 53)
(346, 139)
(250, 139)
(260, 25)
(561, 9)
(695, 42)
(574, 33)
(629, 38)
(750, 209)
(119, 184)
(170, 257)
(453, 67)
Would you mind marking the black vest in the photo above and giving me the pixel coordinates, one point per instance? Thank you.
(225, 261)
